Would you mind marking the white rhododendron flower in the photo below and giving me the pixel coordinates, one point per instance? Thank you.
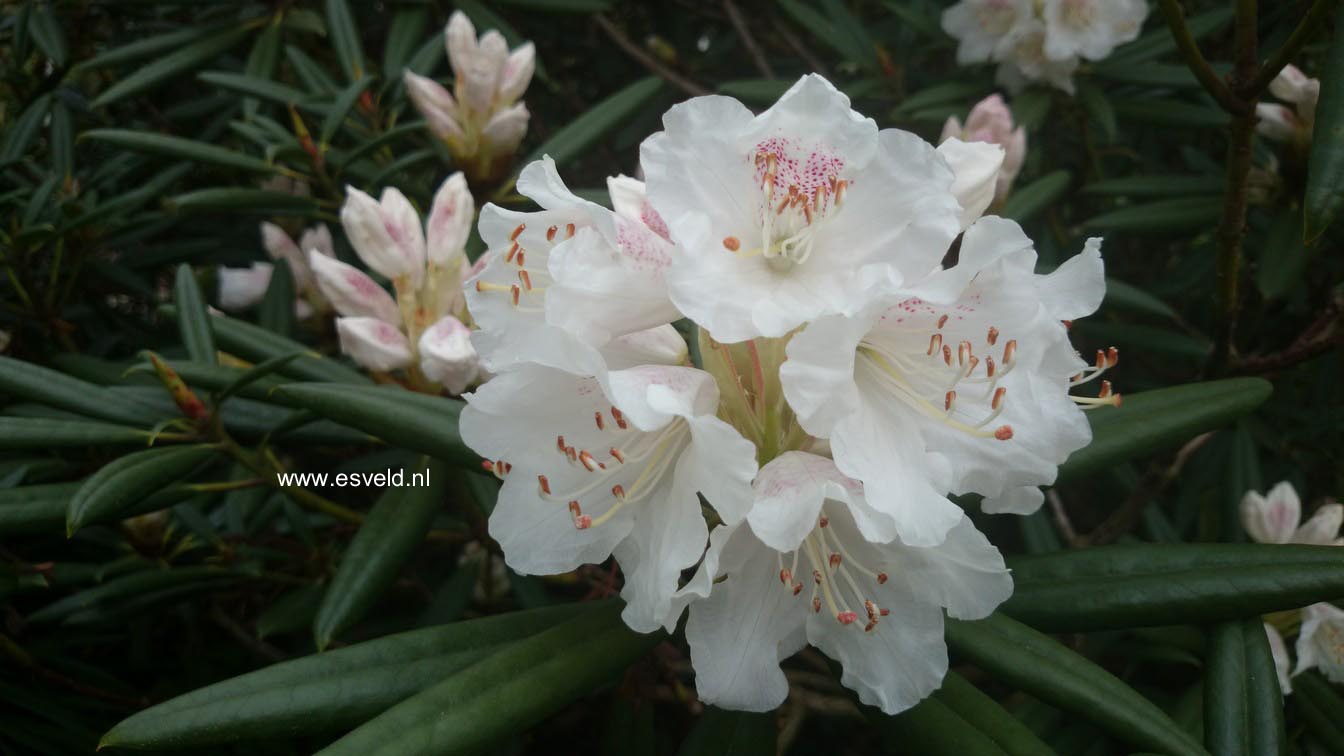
(804, 248)
(562, 282)
(924, 394)
(481, 121)
(1041, 40)
(422, 329)
(802, 570)
(991, 121)
(592, 468)
(1294, 124)
(241, 288)
(786, 216)
(1276, 517)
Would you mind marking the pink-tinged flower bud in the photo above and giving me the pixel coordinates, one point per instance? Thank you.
(505, 129)
(278, 244)
(951, 128)
(403, 224)
(447, 356)
(975, 170)
(449, 222)
(350, 291)
(1291, 85)
(1277, 122)
(241, 288)
(517, 73)
(436, 104)
(479, 81)
(317, 238)
(373, 343)
(992, 121)
(460, 40)
(1272, 518)
(386, 235)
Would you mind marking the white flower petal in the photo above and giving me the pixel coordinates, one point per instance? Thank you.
(351, 292)
(373, 343)
(446, 355)
(1319, 641)
(1323, 527)
(1282, 664)
(517, 72)
(975, 170)
(1272, 519)
(449, 222)
(241, 288)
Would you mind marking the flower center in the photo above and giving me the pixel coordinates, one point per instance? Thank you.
(751, 398)
(954, 387)
(800, 190)
(838, 579)
(1078, 13)
(996, 17)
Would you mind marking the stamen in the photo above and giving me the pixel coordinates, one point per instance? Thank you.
(618, 491)
(948, 400)
(617, 455)
(963, 352)
(997, 401)
(935, 343)
(517, 231)
(513, 250)
(942, 321)
(947, 355)
(516, 293)
(732, 243)
(550, 233)
(589, 461)
(560, 444)
(569, 230)
(992, 336)
(619, 418)
(545, 484)
(581, 520)
(597, 418)
(526, 279)
(881, 579)
(1009, 351)
(824, 521)
(834, 560)
(1004, 432)
(785, 576)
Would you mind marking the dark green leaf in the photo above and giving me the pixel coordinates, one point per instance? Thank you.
(185, 58)
(1243, 708)
(24, 129)
(1183, 215)
(193, 321)
(586, 130)
(1152, 421)
(42, 433)
(505, 692)
(423, 423)
(326, 692)
(177, 147)
(1112, 587)
(386, 540)
(258, 345)
(1042, 667)
(25, 380)
(1325, 165)
(731, 733)
(123, 482)
(238, 199)
(276, 312)
(1024, 202)
(345, 38)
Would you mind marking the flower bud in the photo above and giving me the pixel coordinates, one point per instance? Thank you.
(350, 291)
(975, 170)
(447, 356)
(1291, 85)
(460, 40)
(517, 73)
(241, 288)
(278, 244)
(1322, 529)
(992, 121)
(506, 129)
(450, 220)
(387, 234)
(951, 128)
(1277, 122)
(1272, 518)
(479, 81)
(436, 104)
(373, 343)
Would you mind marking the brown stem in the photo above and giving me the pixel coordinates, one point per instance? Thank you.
(646, 60)
(1194, 59)
(1158, 477)
(802, 50)
(1313, 21)
(1232, 229)
(1324, 334)
(744, 32)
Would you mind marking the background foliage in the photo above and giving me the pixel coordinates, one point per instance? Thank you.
(140, 144)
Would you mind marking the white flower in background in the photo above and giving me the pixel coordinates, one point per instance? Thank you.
(991, 121)
(1276, 517)
(481, 121)
(560, 283)
(982, 27)
(421, 329)
(1290, 124)
(803, 570)
(594, 468)
(793, 214)
(241, 288)
(1041, 40)
(925, 393)
(1090, 29)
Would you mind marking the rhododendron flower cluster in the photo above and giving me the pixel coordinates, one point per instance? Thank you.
(1276, 517)
(797, 450)
(1041, 40)
(419, 331)
(481, 120)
